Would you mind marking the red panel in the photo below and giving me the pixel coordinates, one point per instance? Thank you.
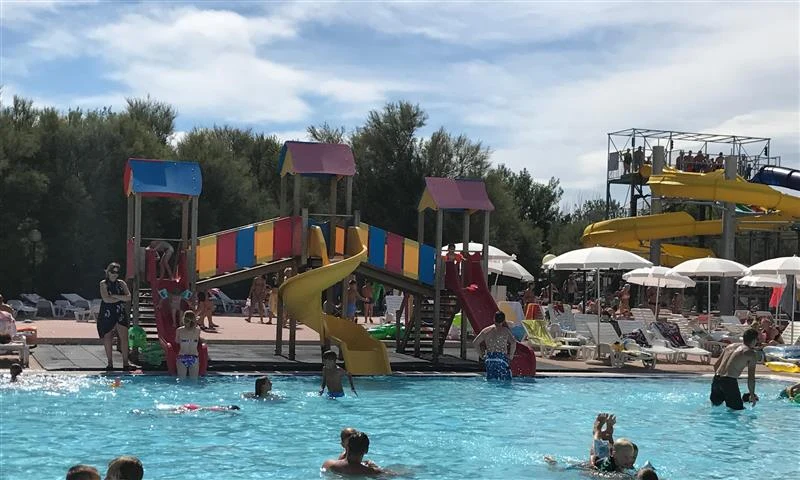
(282, 240)
(394, 253)
(226, 252)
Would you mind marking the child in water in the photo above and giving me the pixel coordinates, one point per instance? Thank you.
(16, 371)
(608, 455)
(332, 376)
(263, 389)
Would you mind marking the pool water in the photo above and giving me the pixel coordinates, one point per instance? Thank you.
(427, 428)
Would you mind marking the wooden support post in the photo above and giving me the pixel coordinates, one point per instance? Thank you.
(298, 184)
(184, 225)
(417, 302)
(304, 238)
(348, 196)
(191, 265)
(129, 233)
(485, 259)
(465, 241)
(282, 200)
(437, 289)
(333, 222)
(421, 227)
(279, 326)
(292, 337)
(137, 240)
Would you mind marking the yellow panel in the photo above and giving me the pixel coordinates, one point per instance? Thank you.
(265, 237)
(339, 242)
(206, 257)
(410, 258)
(288, 164)
(426, 202)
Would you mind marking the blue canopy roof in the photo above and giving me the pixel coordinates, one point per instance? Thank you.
(162, 178)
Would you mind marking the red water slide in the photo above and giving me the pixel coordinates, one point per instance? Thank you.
(479, 305)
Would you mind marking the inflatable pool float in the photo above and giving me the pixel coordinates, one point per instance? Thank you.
(782, 353)
(783, 367)
(387, 331)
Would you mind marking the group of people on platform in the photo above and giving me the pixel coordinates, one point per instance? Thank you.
(687, 162)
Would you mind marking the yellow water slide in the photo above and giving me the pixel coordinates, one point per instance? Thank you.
(634, 233)
(302, 296)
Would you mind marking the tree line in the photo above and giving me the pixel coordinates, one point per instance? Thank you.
(61, 174)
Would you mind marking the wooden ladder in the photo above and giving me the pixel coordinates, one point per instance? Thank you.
(448, 308)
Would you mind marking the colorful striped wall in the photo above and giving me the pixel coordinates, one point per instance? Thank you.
(247, 246)
(399, 255)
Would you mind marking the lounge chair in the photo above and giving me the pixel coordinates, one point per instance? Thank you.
(669, 331)
(81, 307)
(607, 336)
(40, 303)
(227, 304)
(19, 345)
(654, 347)
(23, 310)
(538, 336)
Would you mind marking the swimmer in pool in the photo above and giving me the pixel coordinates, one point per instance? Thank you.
(263, 390)
(190, 407)
(353, 463)
(499, 345)
(332, 376)
(791, 392)
(16, 371)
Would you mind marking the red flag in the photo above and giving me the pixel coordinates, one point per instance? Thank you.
(775, 299)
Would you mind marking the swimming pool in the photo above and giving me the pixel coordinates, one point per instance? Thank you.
(438, 428)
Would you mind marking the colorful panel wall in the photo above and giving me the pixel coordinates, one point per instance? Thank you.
(226, 252)
(341, 234)
(283, 238)
(264, 241)
(427, 260)
(245, 247)
(207, 257)
(394, 253)
(410, 258)
(377, 251)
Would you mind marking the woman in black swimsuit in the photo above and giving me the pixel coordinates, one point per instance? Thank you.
(113, 317)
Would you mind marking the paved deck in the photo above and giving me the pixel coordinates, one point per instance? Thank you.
(67, 345)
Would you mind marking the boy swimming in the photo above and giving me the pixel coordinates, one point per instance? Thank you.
(15, 370)
(263, 390)
(353, 463)
(332, 376)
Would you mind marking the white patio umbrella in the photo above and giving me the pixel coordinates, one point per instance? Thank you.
(510, 269)
(781, 266)
(767, 281)
(494, 252)
(710, 267)
(659, 277)
(597, 258)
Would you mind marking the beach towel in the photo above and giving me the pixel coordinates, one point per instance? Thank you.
(671, 332)
(639, 337)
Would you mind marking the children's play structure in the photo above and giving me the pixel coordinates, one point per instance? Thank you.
(323, 250)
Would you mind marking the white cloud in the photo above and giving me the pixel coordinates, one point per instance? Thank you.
(176, 138)
(299, 135)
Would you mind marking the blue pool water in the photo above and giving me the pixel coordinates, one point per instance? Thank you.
(429, 428)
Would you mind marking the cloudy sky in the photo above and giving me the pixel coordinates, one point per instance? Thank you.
(541, 83)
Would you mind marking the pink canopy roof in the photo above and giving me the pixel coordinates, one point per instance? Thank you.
(453, 194)
(309, 158)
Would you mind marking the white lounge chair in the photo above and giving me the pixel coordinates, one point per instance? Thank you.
(540, 338)
(656, 348)
(228, 304)
(19, 345)
(22, 309)
(692, 347)
(607, 336)
(81, 307)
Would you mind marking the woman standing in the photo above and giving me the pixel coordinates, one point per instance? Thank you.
(188, 337)
(113, 317)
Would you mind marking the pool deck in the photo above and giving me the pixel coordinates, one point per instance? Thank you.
(238, 346)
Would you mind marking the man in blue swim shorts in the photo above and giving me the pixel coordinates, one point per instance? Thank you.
(498, 345)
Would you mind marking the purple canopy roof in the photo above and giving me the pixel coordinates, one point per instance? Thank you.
(453, 194)
(309, 158)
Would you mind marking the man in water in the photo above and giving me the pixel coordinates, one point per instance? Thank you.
(734, 359)
(499, 345)
(353, 463)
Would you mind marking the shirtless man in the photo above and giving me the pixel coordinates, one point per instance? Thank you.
(734, 359)
(498, 344)
(353, 463)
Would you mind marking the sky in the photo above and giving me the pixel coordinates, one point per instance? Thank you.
(541, 83)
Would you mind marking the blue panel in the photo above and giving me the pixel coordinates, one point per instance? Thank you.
(163, 177)
(245, 247)
(427, 260)
(326, 230)
(377, 247)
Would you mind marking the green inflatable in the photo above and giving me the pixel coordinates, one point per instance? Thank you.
(152, 355)
(137, 338)
(386, 331)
